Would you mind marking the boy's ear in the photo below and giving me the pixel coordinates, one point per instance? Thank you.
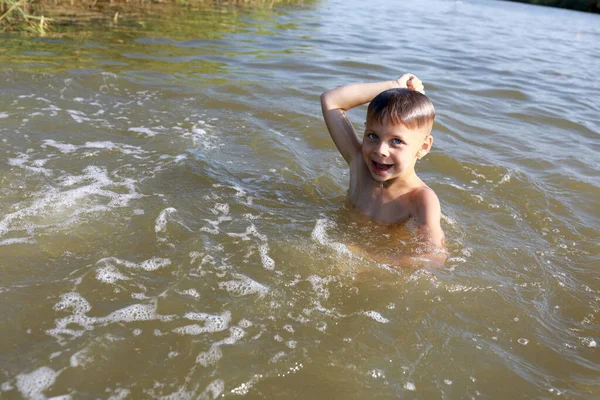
(426, 146)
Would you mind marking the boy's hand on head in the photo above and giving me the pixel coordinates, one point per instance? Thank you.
(409, 81)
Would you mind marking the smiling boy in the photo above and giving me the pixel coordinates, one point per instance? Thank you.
(383, 181)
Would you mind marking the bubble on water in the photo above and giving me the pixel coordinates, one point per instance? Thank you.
(376, 316)
(322, 326)
(6, 386)
(447, 381)
(160, 224)
(62, 147)
(4, 115)
(319, 285)
(291, 344)
(278, 338)
(523, 341)
(244, 323)
(267, 261)
(377, 373)
(134, 312)
(209, 357)
(213, 390)
(73, 301)
(109, 274)
(410, 386)
(143, 130)
(119, 394)
(245, 387)
(212, 323)
(26, 240)
(81, 358)
(589, 342)
(319, 235)
(148, 265)
(137, 332)
(93, 193)
(191, 292)
(33, 385)
(505, 178)
(277, 357)
(155, 263)
(244, 286)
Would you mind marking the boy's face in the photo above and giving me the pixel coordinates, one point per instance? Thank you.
(391, 151)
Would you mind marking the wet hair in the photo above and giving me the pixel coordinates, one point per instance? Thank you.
(402, 107)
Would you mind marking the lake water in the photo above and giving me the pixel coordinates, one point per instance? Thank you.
(173, 219)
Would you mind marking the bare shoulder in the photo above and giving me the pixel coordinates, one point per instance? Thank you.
(428, 214)
(426, 205)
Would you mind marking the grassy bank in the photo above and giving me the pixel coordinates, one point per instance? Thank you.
(39, 16)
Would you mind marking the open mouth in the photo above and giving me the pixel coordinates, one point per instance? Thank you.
(379, 167)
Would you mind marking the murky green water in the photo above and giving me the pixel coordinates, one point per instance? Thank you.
(173, 221)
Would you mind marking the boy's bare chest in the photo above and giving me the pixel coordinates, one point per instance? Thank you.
(370, 198)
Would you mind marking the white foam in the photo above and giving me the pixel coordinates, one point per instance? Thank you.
(212, 323)
(134, 312)
(81, 358)
(160, 224)
(59, 207)
(505, 178)
(214, 389)
(8, 242)
(151, 264)
(191, 292)
(410, 386)
(73, 301)
(245, 387)
(109, 274)
(267, 262)
(244, 286)
(4, 115)
(145, 131)
(209, 357)
(33, 385)
(376, 316)
(78, 116)
(120, 394)
(319, 234)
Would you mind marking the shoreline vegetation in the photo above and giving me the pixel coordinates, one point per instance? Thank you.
(37, 17)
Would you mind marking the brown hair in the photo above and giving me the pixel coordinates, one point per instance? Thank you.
(402, 106)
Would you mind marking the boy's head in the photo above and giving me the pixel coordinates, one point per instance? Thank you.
(397, 133)
(402, 107)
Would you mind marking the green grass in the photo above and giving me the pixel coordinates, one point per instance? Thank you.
(15, 16)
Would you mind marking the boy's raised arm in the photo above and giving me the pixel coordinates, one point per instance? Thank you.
(336, 102)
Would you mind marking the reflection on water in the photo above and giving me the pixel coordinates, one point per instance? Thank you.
(173, 219)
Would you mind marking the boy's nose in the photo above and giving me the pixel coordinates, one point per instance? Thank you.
(382, 149)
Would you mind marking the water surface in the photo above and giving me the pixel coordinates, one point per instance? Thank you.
(173, 219)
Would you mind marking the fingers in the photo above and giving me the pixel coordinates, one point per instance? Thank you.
(403, 80)
(415, 84)
(409, 81)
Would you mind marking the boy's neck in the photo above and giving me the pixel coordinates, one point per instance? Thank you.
(399, 184)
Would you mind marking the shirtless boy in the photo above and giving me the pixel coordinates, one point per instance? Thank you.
(383, 182)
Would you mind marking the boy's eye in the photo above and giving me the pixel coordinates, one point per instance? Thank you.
(396, 141)
(372, 136)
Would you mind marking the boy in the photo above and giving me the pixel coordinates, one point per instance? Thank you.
(383, 182)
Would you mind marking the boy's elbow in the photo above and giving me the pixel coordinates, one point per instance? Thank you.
(327, 103)
(324, 101)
